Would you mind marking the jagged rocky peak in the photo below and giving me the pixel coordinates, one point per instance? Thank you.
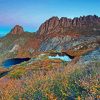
(60, 25)
(17, 30)
(48, 25)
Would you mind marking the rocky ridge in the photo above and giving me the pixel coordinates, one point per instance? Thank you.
(68, 25)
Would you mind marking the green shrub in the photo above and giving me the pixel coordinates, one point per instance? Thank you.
(59, 91)
(38, 95)
(31, 95)
(76, 90)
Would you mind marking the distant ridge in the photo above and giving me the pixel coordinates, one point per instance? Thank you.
(83, 24)
(78, 25)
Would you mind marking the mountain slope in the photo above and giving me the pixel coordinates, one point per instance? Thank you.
(74, 36)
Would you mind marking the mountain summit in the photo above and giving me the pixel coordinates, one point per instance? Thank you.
(17, 30)
(81, 25)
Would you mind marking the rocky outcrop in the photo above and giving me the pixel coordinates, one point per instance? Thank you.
(67, 25)
(49, 25)
(17, 30)
(92, 56)
(74, 46)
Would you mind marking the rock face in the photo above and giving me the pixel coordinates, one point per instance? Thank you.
(17, 30)
(49, 25)
(67, 25)
(74, 46)
(94, 55)
(74, 36)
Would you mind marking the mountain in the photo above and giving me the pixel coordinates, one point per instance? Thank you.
(81, 25)
(17, 30)
(52, 79)
(73, 36)
(11, 43)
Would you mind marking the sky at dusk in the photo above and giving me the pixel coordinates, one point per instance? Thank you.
(32, 13)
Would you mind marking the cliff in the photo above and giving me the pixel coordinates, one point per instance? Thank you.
(79, 25)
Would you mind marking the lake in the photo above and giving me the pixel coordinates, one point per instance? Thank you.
(64, 58)
(10, 62)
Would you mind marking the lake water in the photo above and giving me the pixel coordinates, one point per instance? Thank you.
(64, 58)
(10, 62)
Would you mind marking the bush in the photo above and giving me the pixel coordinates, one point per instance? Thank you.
(59, 91)
(38, 95)
(75, 90)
